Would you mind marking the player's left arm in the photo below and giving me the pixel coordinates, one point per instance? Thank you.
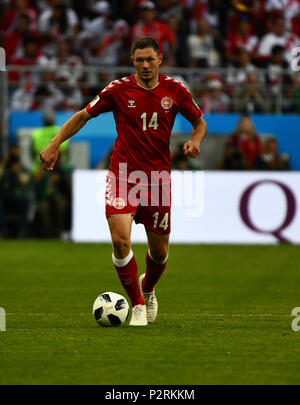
(192, 147)
(191, 111)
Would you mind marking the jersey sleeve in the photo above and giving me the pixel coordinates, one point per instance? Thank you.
(188, 107)
(103, 102)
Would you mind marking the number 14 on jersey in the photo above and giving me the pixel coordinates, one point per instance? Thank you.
(152, 123)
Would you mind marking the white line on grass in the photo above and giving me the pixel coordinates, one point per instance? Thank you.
(195, 314)
(232, 315)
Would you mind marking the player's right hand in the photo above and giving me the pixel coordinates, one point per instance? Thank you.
(49, 157)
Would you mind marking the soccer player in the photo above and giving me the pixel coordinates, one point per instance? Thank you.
(138, 183)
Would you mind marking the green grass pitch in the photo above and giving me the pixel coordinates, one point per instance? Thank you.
(224, 317)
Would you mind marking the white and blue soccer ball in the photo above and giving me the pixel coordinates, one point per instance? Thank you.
(111, 309)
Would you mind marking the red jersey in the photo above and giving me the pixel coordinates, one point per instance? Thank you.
(144, 121)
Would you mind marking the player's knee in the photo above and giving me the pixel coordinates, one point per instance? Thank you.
(121, 246)
(159, 256)
(160, 259)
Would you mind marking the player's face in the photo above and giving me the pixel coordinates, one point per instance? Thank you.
(146, 62)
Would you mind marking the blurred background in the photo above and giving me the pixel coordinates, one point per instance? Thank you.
(235, 56)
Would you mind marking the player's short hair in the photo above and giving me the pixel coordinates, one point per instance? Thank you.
(145, 42)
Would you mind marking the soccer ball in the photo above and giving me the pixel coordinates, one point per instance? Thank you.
(111, 309)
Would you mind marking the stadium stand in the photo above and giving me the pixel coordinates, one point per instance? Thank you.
(64, 36)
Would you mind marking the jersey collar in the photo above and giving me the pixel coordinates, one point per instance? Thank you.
(152, 88)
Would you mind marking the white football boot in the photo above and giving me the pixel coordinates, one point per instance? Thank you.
(138, 316)
(150, 301)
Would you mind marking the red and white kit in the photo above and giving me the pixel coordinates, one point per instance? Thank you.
(144, 121)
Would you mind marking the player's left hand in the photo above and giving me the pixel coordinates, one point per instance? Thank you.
(191, 149)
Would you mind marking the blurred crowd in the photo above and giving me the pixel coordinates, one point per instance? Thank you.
(244, 149)
(252, 39)
(33, 202)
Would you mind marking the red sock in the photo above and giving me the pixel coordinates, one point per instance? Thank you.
(153, 273)
(128, 276)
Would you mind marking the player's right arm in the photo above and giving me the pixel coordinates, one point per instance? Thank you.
(49, 155)
(102, 103)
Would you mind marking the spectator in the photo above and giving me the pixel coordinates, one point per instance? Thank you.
(214, 100)
(103, 38)
(72, 96)
(289, 9)
(212, 12)
(181, 54)
(66, 62)
(42, 136)
(278, 36)
(10, 18)
(14, 41)
(22, 98)
(15, 196)
(28, 56)
(148, 25)
(52, 190)
(252, 97)
(197, 9)
(201, 46)
(242, 39)
(275, 68)
(246, 141)
(248, 8)
(233, 158)
(237, 73)
(58, 22)
(30, 96)
(217, 16)
(63, 64)
(271, 159)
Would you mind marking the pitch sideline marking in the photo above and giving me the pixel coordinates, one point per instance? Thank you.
(196, 314)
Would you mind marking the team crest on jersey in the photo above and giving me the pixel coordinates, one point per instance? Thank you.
(118, 203)
(166, 103)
